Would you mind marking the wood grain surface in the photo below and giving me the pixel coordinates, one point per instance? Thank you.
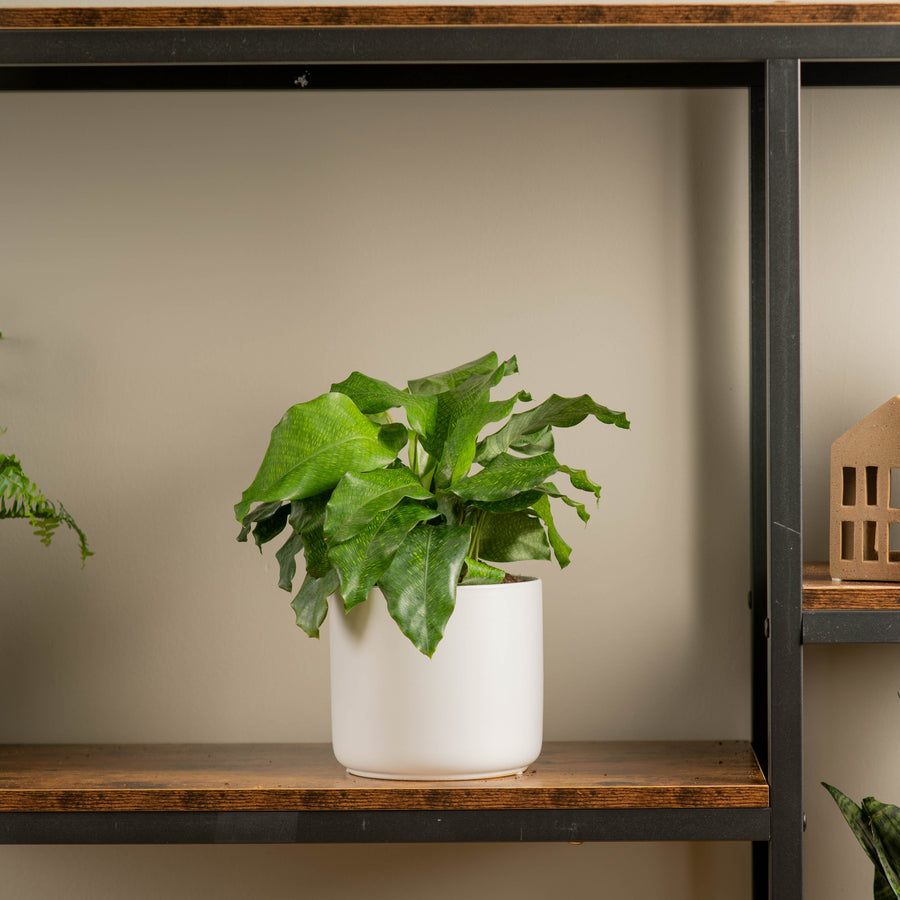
(793, 13)
(224, 777)
(820, 592)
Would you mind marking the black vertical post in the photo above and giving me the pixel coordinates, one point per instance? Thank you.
(785, 568)
(759, 457)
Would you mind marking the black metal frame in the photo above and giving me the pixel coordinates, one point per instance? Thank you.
(766, 60)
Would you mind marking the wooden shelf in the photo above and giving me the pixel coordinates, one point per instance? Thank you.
(842, 612)
(215, 793)
(67, 778)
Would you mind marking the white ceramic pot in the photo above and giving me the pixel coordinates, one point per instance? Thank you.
(474, 710)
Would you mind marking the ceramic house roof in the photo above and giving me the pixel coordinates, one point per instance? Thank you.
(877, 435)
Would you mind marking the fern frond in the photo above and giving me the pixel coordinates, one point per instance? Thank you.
(21, 498)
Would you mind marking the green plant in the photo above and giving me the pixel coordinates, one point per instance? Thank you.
(21, 499)
(877, 828)
(363, 517)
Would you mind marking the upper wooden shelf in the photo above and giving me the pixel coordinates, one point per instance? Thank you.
(631, 14)
(821, 592)
(247, 777)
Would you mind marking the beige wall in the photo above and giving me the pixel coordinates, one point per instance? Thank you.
(175, 270)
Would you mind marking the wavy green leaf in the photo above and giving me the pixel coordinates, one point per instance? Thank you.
(561, 550)
(287, 560)
(257, 514)
(359, 498)
(512, 537)
(556, 412)
(534, 444)
(857, 821)
(446, 381)
(269, 527)
(373, 396)
(462, 412)
(307, 518)
(311, 603)
(420, 584)
(364, 558)
(313, 446)
(580, 480)
(505, 476)
(478, 572)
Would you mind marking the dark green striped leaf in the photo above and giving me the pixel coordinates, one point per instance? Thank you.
(373, 396)
(359, 498)
(561, 550)
(478, 572)
(420, 584)
(311, 603)
(510, 537)
(313, 446)
(505, 476)
(556, 412)
(364, 558)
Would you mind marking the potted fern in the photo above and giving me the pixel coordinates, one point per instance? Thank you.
(400, 525)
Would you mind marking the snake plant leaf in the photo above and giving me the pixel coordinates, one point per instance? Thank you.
(505, 476)
(257, 514)
(561, 550)
(857, 821)
(420, 583)
(373, 396)
(311, 603)
(287, 560)
(313, 446)
(511, 537)
(446, 381)
(555, 411)
(478, 572)
(357, 499)
(884, 822)
(361, 560)
(307, 518)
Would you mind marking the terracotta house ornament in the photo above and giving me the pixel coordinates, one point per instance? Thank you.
(865, 498)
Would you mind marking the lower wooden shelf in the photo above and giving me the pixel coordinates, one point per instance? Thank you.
(224, 793)
(836, 612)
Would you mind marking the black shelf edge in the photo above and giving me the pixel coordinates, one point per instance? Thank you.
(386, 826)
(451, 43)
(851, 626)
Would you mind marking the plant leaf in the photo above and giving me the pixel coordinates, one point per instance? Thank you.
(857, 821)
(373, 396)
(287, 561)
(534, 444)
(311, 603)
(580, 480)
(505, 476)
(364, 558)
(510, 537)
(446, 381)
(313, 446)
(308, 519)
(263, 511)
(420, 584)
(884, 822)
(359, 498)
(552, 491)
(478, 572)
(561, 550)
(271, 526)
(555, 411)
(462, 412)
(21, 498)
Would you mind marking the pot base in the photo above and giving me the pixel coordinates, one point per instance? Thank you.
(474, 776)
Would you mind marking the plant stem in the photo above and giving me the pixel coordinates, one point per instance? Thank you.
(475, 544)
